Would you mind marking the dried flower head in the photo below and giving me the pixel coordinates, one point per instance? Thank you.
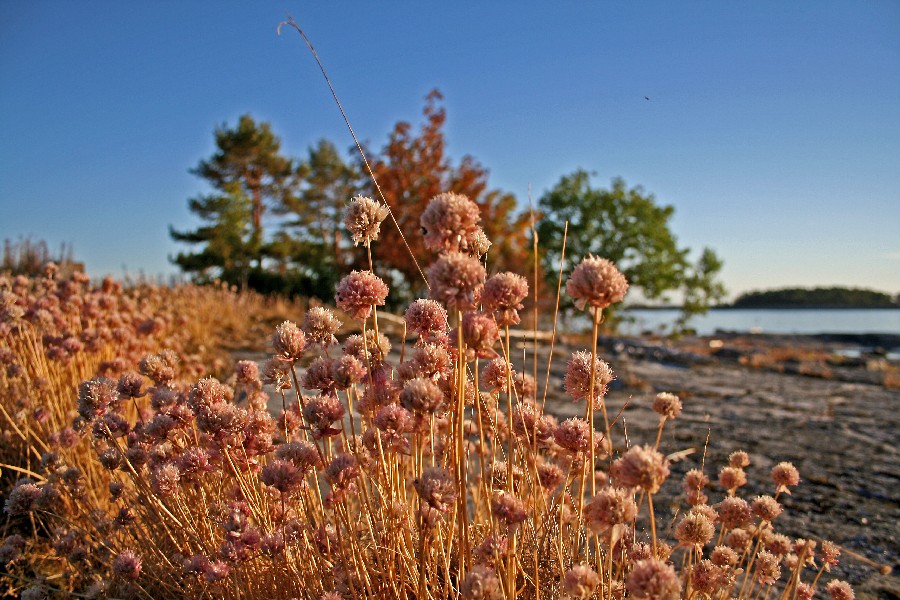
(342, 470)
(95, 396)
(426, 317)
(282, 475)
(694, 529)
(480, 333)
(578, 376)
(289, 341)
(507, 508)
(734, 512)
(437, 488)
(732, 478)
(667, 405)
(766, 508)
(723, 556)
(768, 568)
(611, 506)
(503, 294)
(456, 280)
(738, 459)
(580, 582)
(422, 396)
(574, 436)
(358, 292)
(640, 466)
(596, 282)
(785, 475)
(320, 325)
(652, 579)
(127, 565)
(840, 590)
(449, 221)
(363, 219)
(480, 583)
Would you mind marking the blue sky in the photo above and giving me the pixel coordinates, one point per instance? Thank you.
(772, 127)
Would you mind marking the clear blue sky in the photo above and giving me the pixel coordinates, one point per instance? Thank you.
(772, 127)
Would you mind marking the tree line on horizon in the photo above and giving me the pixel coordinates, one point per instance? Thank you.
(273, 223)
(819, 297)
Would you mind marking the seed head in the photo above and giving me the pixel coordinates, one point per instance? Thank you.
(480, 583)
(596, 282)
(732, 478)
(785, 475)
(574, 435)
(127, 565)
(320, 325)
(578, 376)
(768, 569)
(766, 508)
(449, 221)
(437, 488)
(695, 529)
(282, 475)
(508, 508)
(641, 466)
(456, 280)
(363, 219)
(611, 506)
(580, 582)
(422, 396)
(358, 292)
(667, 405)
(738, 459)
(652, 579)
(840, 590)
(480, 333)
(503, 294)
(289, 341)
(426, 318)
(734, 512)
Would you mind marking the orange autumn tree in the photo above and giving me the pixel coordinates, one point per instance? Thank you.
(411, 170)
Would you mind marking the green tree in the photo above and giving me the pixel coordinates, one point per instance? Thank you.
(312, 236)
(627, 226)
(701, 287)
(249, 174)
(228, 249)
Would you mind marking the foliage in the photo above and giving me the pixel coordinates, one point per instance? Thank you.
(821, 297)
(414, 168)
(30, 257)
(627, 226)
(247, 172)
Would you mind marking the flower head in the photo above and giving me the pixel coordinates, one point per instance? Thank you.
(358, 292)
(437, 488)
(785, 475)
(580, 582)
(596, 282)
(667, 405)
(652, 579)
(127, 564)
(289, 341)
(320, 325)
(449, 221)
(426, 317)
(578, 376)
(363, 219)
(456, 280)
(503, 294)
(641, 466)
(481, 583)
(611, 506)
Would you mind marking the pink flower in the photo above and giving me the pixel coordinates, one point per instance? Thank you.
(596, 282)
(282, 475)
(363, 219)
(320, 325)
(289, 342)
(578, 376)
(652, 579)
(456, 280)
(580, 582)
(449, 221)
(785, 474)
(127, 564)
(503, 294)
(426, 318)
(437, 488)
(421, 396)
(480, 333)
(481, 583)
(611, 506)
(667, 405)
(358, 292)
(641, 466)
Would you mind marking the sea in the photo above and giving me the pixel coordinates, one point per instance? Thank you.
(755, 320)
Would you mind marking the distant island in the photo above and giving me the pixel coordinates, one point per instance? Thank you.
(820, 297)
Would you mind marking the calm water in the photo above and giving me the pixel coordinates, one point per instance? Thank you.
(801, 321)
